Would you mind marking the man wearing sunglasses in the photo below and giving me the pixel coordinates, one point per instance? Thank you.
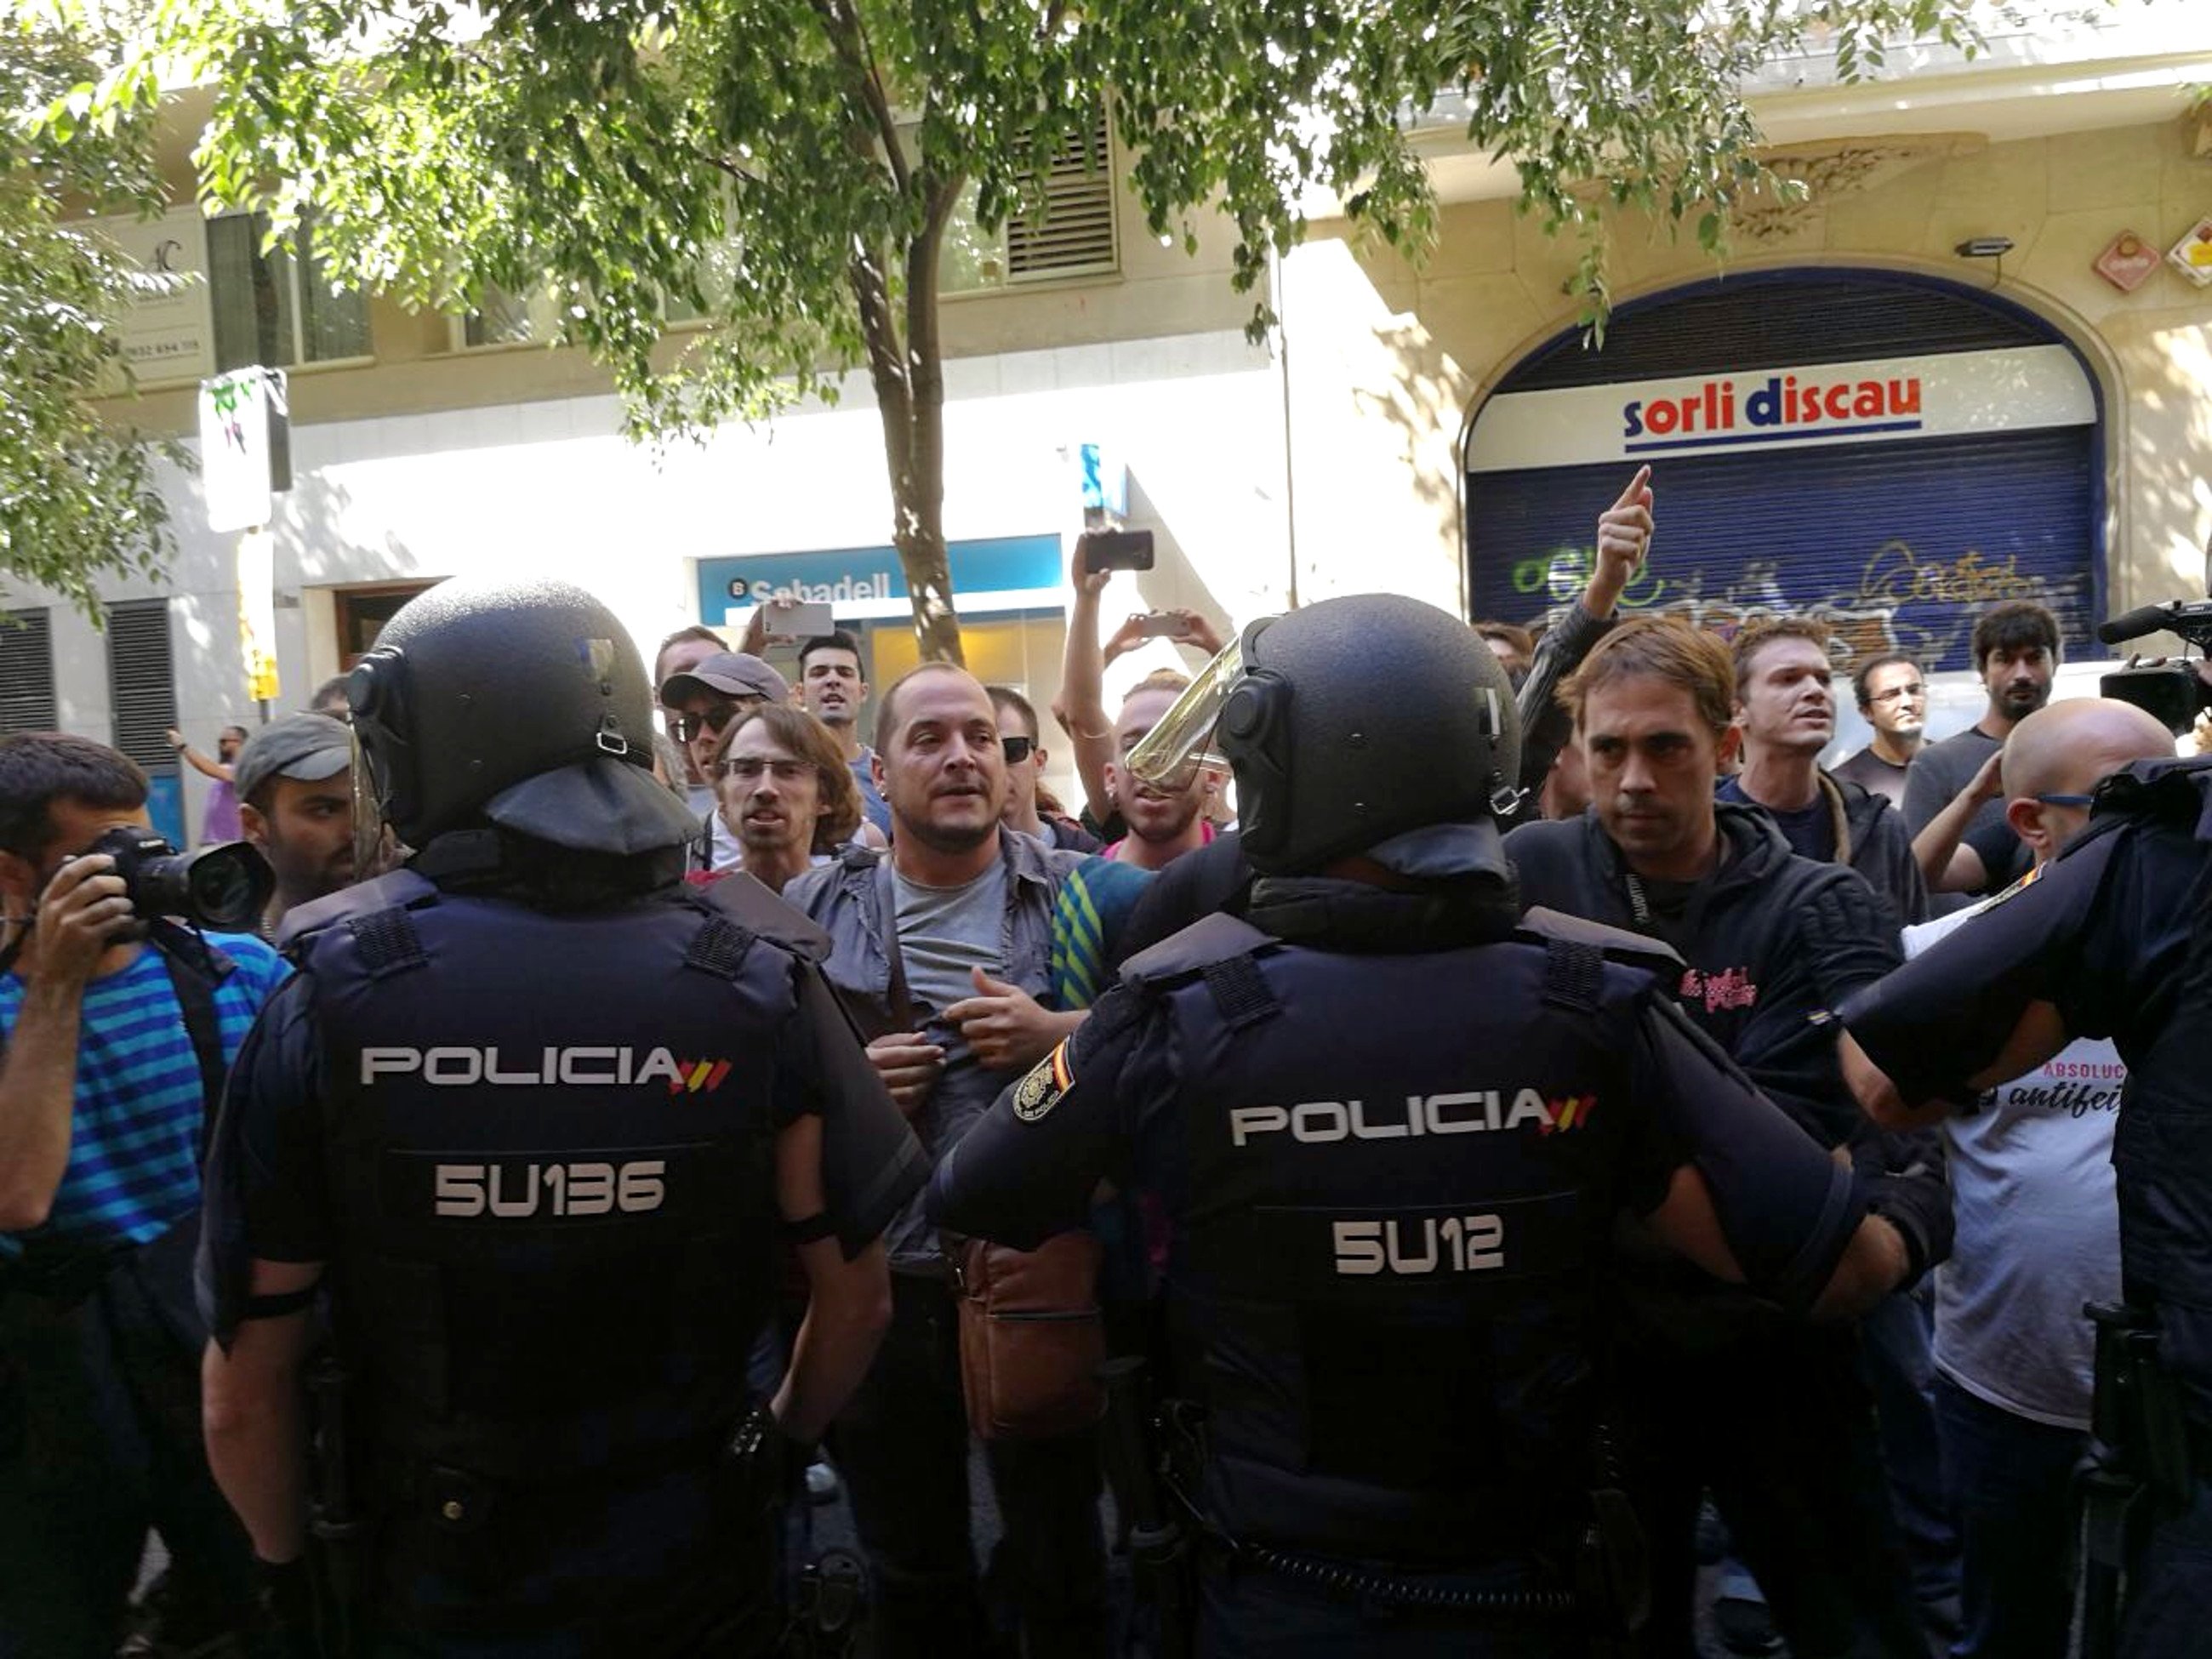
(701, 703)
(2031, 1189)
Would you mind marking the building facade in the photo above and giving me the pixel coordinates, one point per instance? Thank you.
(1865, 412)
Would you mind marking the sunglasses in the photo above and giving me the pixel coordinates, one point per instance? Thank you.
(684, 727)
(2068, 800)
(1016, 750)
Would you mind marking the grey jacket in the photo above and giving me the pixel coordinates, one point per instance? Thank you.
(844, 897)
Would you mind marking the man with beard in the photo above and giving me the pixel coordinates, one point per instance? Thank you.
(219, 820)
(1892, 697)
(296, 804)
(699, 699)
(785, 792)
(2016, 651)
(1163, 824)
(949, 952)
(832, 686)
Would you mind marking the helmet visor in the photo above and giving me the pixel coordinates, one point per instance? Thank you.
(376, 849)
(1172, 753)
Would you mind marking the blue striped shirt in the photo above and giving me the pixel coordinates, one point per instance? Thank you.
(133, 1170)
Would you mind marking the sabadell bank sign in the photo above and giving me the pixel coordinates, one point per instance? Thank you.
(1883, 400)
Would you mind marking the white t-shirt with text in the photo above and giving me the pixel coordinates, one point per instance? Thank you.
(2038, 1230)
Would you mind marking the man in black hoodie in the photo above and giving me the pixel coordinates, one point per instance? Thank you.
(1773, 1417)
(1786, 704)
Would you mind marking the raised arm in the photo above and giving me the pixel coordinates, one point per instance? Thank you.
(197, 761)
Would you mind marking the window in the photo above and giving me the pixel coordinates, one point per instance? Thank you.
(27, 673)
(1073, 234)
(507, 319)
(362, 613)
(273, 308)
(142, 681)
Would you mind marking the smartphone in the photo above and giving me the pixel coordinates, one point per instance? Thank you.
(1118, 550)
(1162, 625)
(798, 621)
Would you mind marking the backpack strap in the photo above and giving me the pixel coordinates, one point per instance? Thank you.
(203, 1027)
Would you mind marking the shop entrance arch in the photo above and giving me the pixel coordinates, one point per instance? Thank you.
(1887, 451)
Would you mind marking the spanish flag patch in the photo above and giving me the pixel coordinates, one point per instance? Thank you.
(1040, 1090)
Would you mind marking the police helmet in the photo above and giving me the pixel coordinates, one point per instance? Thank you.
(1370, 724)
(519, 702)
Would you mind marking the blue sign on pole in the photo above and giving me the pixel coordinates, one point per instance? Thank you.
(857, 576)
(1105, 483)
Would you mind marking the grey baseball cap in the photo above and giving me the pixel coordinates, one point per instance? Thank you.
(726, 674)
(306, 747)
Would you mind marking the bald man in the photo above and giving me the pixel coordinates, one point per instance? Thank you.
(2038, 1234)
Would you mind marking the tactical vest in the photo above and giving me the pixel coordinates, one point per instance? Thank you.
(548, 1147)
(2162, 1143)
(1386, 1272)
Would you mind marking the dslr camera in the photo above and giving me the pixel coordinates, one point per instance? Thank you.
(220, 889)
(2170, 688)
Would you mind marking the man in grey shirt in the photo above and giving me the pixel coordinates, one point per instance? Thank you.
(942, 952)
(2016, 649)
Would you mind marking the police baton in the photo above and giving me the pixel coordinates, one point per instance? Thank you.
(331, 1517)
(1156, 1539)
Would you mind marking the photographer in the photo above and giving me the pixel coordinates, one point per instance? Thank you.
(109, 1048)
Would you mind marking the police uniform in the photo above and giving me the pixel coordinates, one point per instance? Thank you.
(1390, 1237)
(2116, 934)
(1389, 1134)
(523, 1099)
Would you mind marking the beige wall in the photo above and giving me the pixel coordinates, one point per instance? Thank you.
(1387, 360)
(1157, 292)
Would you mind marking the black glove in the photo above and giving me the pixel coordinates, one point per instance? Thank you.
(287, 1594)
(771, 1465)
(1916, 1201)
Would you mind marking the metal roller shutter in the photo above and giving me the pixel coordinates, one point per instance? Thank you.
(27, 673)
(1897, 545)
(142, 682)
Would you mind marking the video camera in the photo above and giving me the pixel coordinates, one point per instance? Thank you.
(2170, 688)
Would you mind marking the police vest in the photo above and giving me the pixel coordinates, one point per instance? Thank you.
(548, 1143)
(1385, 1278)
(2162, 1157)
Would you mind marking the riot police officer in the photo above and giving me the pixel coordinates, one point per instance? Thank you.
(1392, 1124)
(532, 1116)
(2112, 938)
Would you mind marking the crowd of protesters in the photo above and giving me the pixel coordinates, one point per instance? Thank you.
(1869, 1487)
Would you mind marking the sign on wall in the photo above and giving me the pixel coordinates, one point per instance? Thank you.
(869, 581)
(168, 336)
(1944, 395)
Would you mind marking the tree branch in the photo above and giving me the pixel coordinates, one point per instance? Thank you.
(850, 38)
(722, 165)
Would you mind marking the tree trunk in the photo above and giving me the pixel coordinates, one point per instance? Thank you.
(906, 365)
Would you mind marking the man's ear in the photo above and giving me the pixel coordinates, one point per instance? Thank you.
(1731, 741)
(876, 768)
(254, 826)
(2025, 814)
(19, 880)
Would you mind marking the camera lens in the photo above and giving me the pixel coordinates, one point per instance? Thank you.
(225, 887)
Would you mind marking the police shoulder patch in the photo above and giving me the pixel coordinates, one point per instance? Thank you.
(1040, 1089)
